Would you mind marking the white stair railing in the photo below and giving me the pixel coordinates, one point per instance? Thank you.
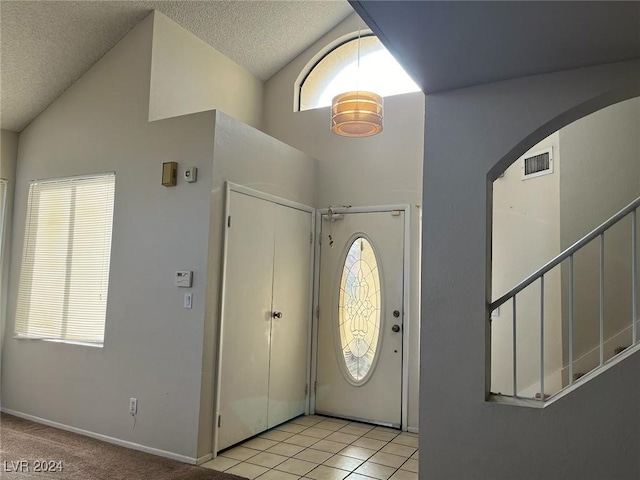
(539, 275)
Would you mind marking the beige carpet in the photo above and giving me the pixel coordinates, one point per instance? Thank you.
(84, 458)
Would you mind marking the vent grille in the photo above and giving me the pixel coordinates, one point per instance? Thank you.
(537, 164)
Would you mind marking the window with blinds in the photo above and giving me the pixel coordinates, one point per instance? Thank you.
(65, 263)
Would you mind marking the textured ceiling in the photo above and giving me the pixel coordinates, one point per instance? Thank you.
(48, 45)
(448, 45)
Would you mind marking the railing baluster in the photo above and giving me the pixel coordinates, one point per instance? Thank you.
(515, 352)
(564, 255)
(542, 338)
(540, 274)
(601, 298)
(634, 275)
(571, 320)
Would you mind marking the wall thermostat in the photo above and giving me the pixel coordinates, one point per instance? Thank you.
(184, 279)
(191, 174)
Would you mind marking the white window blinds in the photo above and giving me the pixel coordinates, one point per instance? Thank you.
(65, 262)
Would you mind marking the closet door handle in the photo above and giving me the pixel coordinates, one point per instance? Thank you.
(277, 314)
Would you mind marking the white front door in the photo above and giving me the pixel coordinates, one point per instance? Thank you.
(266, 316)
(359, 360)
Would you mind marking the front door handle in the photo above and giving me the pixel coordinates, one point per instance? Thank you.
(277, 314)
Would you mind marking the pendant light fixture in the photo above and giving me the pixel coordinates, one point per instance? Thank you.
(357, 113)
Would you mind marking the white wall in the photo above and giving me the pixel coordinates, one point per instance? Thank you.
(602, 175)
(8, 156)
(471, 136)
(526, 235)
(381, 170)
(153, 347)
(189, 76)
(245, 156)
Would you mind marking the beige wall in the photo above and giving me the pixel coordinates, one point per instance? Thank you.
(601, 175)
(153, 347)
(381, 170)
(8, 156)
(9, 151)
(248, 157)
(526, 235)
(189, 76)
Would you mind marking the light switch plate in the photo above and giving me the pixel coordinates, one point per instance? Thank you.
(188, 298)
(184, 279)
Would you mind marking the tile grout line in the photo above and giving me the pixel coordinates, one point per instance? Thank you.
(341, 425)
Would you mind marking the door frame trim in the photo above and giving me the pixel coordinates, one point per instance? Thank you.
(234, 187)
(406, 291)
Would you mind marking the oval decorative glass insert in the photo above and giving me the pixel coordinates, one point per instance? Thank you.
(359, 309)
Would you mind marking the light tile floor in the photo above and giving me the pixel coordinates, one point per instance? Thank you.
(322, 448)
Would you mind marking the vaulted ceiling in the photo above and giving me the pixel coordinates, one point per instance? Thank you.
(449, 44)
(48, 45)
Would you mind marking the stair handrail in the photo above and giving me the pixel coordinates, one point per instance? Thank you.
(565, 254)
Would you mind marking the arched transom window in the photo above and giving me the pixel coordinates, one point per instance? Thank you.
(338, 72)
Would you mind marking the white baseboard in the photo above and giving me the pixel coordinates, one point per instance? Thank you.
(552, 382)
(412, 429)
(558, 379)
(105, 438)
(204, 458)
(591, 359)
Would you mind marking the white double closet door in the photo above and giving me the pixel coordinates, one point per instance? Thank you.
(266, 316)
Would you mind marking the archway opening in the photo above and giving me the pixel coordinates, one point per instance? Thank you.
(582, 313)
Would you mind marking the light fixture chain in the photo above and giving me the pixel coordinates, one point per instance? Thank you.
(358, 60)
(359, 39)
(355, 113)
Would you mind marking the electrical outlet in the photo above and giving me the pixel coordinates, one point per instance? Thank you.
(133, 406)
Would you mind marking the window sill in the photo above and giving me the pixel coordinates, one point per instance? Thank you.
(55, 340)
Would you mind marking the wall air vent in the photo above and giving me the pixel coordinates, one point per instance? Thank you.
(537, 164)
